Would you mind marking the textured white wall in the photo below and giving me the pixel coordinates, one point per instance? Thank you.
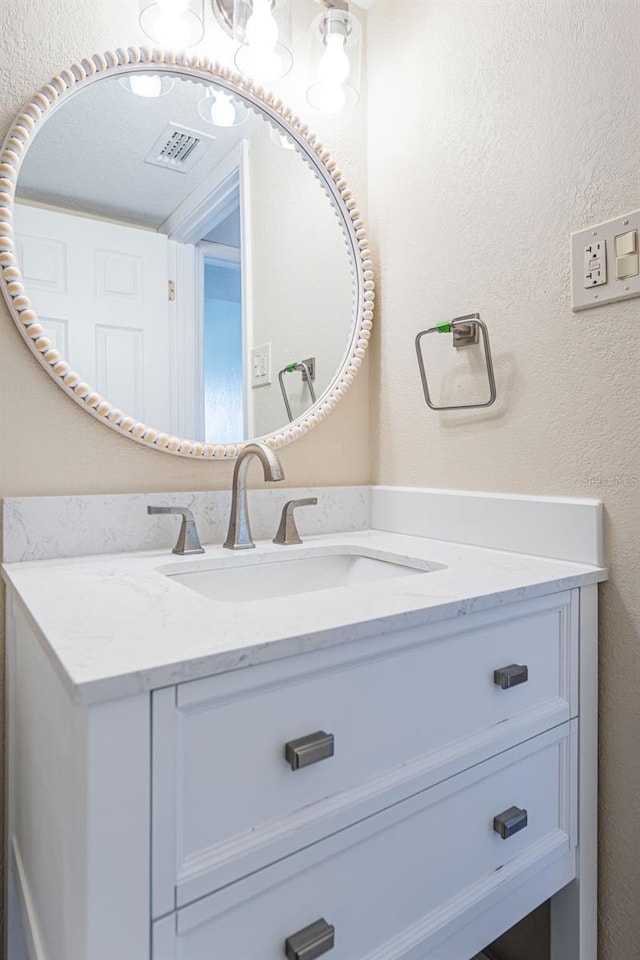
(496, 128)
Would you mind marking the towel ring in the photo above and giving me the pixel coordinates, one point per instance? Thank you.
(465, 333)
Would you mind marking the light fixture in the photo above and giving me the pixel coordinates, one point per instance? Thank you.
(174, 24)
(221, 109)
(148, 85)
(336, 40)
(262, 29)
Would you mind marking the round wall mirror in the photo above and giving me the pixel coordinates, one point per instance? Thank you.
(182, 255)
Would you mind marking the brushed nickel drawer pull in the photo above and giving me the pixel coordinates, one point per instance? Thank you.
(310, 749)
(312, 942)
(511, 676)
(509, 822)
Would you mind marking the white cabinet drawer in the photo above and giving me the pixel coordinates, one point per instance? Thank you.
(400, 878)
(405, 711)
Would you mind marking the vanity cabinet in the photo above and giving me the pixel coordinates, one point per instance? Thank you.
(403, 797)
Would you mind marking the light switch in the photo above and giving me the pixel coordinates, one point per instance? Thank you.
(627, 266)
(627, 243)
(627, 255)
(261, 365)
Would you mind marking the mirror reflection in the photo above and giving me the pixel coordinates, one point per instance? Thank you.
(183, 257)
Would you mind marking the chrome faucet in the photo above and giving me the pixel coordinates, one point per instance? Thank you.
(239, 533)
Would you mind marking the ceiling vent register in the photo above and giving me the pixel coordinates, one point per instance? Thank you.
(178, 148)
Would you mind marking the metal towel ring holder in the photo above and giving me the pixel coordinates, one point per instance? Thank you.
(465, 332)
(308, 370)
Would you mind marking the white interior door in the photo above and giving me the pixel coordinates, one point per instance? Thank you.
(101, 293)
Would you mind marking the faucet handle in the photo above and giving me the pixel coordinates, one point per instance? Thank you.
(188, 540)
(287, 531)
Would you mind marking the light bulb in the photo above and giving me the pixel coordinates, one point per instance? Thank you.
(223, 112)
(261, 32)
(171, 23)
(145, 85)
(220, 109)
(329, 97)
(262, 55)
(172, 30)
(334, 66)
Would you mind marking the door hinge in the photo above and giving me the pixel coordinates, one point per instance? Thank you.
(172, 290)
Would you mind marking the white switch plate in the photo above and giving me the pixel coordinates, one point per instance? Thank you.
(261, 365)
(584, 293)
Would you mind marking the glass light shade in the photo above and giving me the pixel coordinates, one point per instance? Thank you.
(173, 24)
(336, 41)
(221, 109)
(263, 31)
(149, 85)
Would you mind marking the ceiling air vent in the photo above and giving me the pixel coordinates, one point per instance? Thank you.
(179, 148)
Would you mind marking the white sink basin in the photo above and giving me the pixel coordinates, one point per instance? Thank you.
(264, 576)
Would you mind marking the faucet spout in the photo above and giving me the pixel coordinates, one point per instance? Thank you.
(239, 533)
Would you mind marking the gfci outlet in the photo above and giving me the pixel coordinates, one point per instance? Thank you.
(605, 262)
(595, 264)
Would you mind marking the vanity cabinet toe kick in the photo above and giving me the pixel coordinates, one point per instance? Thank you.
(405, 797)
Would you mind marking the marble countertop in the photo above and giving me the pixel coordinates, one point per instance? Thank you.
(116, 625)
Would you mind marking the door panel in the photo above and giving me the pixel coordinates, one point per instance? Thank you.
(100, 291)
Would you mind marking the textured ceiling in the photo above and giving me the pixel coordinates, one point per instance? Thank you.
(89, 156)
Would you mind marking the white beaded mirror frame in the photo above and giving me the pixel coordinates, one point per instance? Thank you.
(26, 125)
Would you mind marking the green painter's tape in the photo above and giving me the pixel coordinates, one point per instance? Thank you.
(443, 327)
